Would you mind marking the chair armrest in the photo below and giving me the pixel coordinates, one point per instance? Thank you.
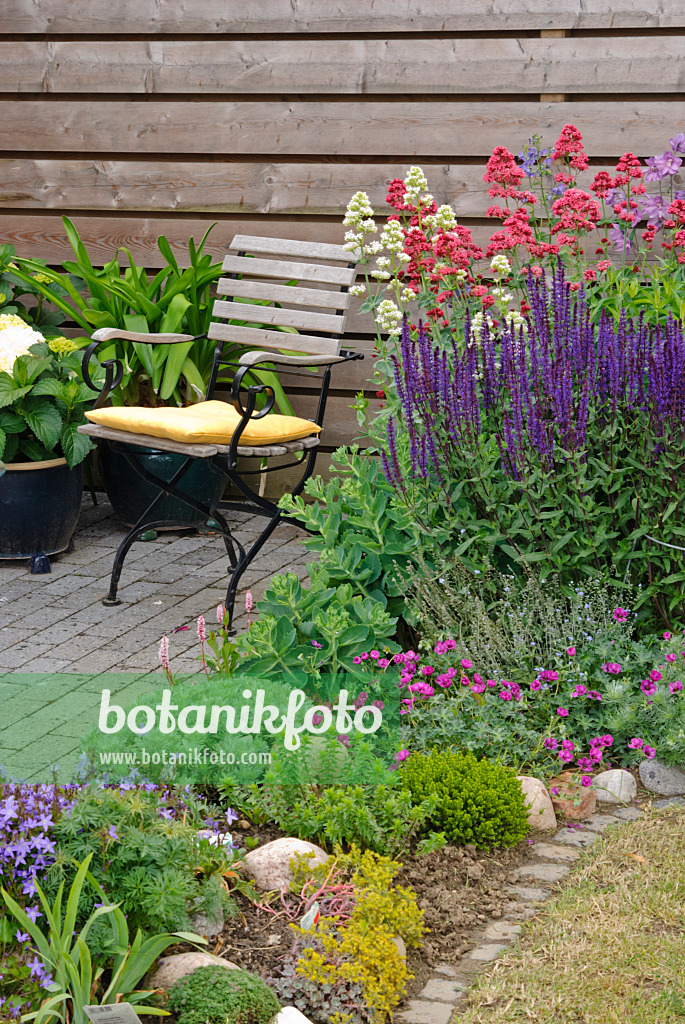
(254, 358)
(108, 333)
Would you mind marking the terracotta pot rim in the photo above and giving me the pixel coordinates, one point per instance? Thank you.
(23, 466)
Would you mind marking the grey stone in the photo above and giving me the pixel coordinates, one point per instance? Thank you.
(666, 780)
(581, 839)
(502, 931)
(559, 853)
(527, 892)
(446, 969)
(543, 872)
(423, 1011)
(671, 801)
(541, 814)
(521, 911)
(615, 786)
(628, 813)
(442, 990)
(171, 968)
(207, 924)
(488, 951)
(600, 822)
(269, 865)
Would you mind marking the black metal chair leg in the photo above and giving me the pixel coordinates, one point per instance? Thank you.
(242, 566)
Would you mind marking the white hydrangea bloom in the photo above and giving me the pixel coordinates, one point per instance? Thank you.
(16, 341)
(500, 264)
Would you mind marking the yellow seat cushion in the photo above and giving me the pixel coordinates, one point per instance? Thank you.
(204, 423)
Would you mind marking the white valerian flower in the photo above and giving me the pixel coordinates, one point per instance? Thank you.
(445, 219)
(516, 319)
(407, 295)
(373, 247)
(353, 243)
(380, 275)
(500, 264)
(403, 257)
(427, 199)
(16, 341)
(502, 296)
(415, 183)
(358, 289)
(383, 262)
(358, 212)
(389, 317)
(392, 236)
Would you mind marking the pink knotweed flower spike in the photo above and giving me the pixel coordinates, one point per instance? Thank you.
(164, 659)
(202, 636)
(220, 614)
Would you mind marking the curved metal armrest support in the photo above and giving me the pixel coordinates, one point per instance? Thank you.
(253, 390)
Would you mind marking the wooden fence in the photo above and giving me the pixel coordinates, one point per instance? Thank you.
(148, 117)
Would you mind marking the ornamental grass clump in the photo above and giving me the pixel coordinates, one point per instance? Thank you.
(480, 802)
(559, 443)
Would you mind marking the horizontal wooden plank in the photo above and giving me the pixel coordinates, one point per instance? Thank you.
(263, 245)
(376, 128)
(631, 64)
(290, 270)
(278, 340)
(340, 424)
(157, 17)
(282, 293)
(246, 188)
(299, 318)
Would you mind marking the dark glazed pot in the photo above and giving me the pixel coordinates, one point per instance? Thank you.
(39, 507)
(130, 494)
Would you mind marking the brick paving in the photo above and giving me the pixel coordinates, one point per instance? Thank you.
(56, 637)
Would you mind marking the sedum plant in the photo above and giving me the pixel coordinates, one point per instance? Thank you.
(42, 396)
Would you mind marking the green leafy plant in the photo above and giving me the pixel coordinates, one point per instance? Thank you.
(14, 288)
(76, 980)
(145, 854)
(214, 995)
(42, 398)
(358, 532)
(480, 802)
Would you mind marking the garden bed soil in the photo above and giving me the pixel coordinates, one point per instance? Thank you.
(458, 888)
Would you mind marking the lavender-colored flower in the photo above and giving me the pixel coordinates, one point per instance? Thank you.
(619, 239)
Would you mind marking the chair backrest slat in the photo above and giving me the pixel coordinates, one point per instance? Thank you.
(290, 271)
(296, 318)
(275, 340)
(291, 301)
(291, 247)
(282, 293)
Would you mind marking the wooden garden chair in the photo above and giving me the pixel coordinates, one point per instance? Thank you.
(276, 260)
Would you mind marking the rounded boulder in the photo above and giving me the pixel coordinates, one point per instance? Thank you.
(541, 814)
(269, 866)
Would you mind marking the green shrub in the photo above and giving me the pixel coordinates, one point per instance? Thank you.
(480, 802)
(213, 995)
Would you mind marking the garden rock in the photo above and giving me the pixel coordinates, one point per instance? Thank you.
(290, 1015)
(616, 786)
(269, 865)
(541, 814)
(172, 968)
(666, 780)
(573, 801)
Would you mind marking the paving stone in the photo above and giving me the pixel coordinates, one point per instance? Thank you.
(628, 813)
(549, 852)
(543, 872)
(521, 911)
(671, 801)
(487, 952)
(529, 893)
(502, 931)
(442, 990)
(580, 838)
(600, 822)
(421, 1011)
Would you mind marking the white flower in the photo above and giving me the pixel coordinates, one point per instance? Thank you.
(415, 183)
(388, 317)
(373, 247)
(358, 289)
(392, 236)
(407, 295)
(427, 199)
(383, 262)
(14, 342)
(500, 264)
(444, 219)
(380, 275)
(359, 209)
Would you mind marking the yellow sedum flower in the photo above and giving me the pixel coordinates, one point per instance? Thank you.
(62, 346)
